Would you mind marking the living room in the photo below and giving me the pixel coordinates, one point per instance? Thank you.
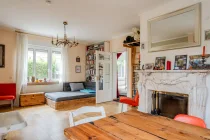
(142, 66)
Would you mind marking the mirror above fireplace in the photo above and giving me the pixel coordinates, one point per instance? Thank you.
(179, 29)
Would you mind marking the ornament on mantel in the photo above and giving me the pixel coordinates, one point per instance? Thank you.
(136, 33)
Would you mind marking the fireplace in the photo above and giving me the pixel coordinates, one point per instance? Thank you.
(169, 104)
(194, 83)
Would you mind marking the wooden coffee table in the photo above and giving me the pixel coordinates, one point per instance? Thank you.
(136, 125)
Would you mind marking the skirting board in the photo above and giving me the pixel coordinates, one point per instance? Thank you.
(71, 104)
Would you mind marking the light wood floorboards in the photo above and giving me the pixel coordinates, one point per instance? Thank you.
(45, 123)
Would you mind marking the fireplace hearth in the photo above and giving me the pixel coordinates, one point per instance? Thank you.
(169, 104)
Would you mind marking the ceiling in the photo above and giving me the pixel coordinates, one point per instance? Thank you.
(89, 20)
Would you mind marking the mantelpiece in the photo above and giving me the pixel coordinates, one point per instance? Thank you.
(194, 83)
(173, 71)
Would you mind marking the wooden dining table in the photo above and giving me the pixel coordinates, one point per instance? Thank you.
(136, 125)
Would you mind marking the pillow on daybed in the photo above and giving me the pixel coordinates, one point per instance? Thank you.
(76, 86)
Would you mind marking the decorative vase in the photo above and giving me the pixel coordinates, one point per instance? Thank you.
(33, 79)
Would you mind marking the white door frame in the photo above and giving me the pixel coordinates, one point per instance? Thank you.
(114, 80)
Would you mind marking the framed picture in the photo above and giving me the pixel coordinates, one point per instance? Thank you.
(2, 56)
(160, 63)
(149, 66)
(77, 59)
(196, 62)
(207, 35)
(180, 62)
(78, 69)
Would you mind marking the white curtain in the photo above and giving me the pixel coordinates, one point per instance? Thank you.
(21, 65)
(65, 64)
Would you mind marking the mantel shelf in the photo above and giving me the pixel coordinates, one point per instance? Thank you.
(172, 71)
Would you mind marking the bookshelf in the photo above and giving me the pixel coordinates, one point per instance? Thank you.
(135, 66)
(135, 63)
(91, 58)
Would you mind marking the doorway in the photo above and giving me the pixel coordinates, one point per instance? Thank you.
(122, 85)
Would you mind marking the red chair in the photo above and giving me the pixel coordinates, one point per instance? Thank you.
(133, 102)
(190, 120)
(8, 92)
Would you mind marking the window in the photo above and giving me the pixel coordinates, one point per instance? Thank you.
(44, 62)
(121, 62)
(41, 65)
(121, 70)
(56, 64)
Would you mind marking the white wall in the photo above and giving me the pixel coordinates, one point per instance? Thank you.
(80, 51)
(170, 54)
(8, 38)
(164, 9)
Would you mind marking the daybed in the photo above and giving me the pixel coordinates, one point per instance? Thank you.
(69, 99)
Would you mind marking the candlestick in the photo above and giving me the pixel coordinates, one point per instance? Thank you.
(204, 57)
(204, 51)
(52, 41)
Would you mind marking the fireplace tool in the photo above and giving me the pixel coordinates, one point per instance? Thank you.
(155, 103)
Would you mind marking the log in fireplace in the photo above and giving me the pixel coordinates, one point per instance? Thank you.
(169, 104)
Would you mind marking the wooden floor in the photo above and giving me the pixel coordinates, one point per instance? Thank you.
(45, 123)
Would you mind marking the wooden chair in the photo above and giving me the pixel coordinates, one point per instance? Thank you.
(133, 102)
(86, 109)
(190, 120)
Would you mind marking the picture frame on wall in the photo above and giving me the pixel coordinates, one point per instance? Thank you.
(77, 59)
(207, 35)
(180, 62)
(78, 69)
(2, 56)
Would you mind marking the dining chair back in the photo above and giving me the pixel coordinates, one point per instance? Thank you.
(83, 110)
(190, 120)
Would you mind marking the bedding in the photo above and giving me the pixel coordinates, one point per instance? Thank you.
(88, 91)
(63, 96)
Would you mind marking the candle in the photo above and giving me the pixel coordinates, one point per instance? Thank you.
(204, 51)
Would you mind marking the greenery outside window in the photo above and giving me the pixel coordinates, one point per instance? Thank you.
(44, 62)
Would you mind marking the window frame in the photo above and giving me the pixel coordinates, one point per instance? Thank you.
(49, 51)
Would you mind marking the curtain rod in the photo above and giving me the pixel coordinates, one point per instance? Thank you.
(31, 34)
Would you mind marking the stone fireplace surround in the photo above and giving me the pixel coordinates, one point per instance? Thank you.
(195, 83)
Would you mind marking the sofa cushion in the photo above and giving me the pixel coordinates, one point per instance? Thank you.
(76, 86)
(8, 97)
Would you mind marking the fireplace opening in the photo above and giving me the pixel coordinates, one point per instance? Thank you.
(169, 104)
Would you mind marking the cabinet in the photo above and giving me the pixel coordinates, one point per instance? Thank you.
(30, 99)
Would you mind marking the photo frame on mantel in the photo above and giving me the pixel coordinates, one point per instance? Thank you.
(207, 35)
(2, 56)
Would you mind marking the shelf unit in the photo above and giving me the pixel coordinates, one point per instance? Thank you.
(91, 58)
(135, 61)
